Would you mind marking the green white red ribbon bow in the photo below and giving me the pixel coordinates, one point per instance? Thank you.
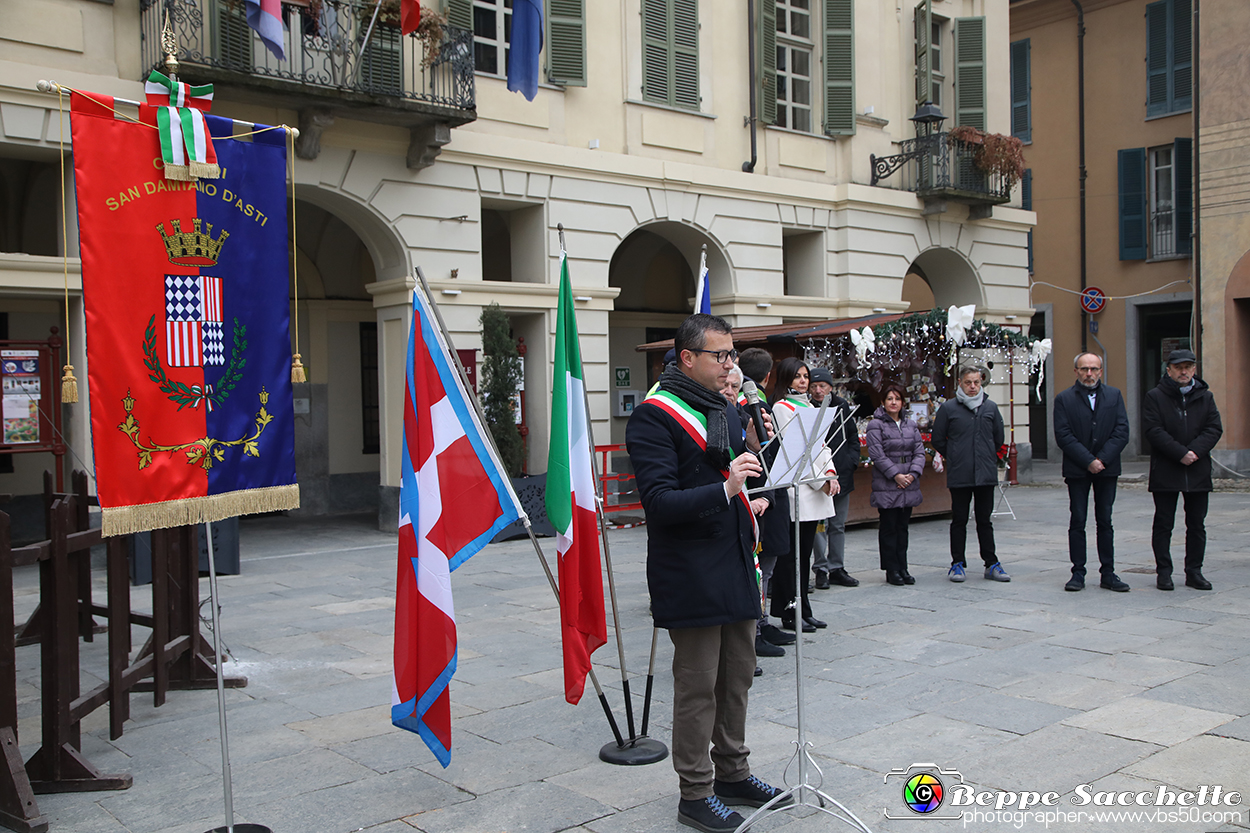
(186, 146)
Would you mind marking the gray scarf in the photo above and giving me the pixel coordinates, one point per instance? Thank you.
(970, 402)
(707, 402)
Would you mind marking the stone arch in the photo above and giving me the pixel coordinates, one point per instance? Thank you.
(951, 277)
(386, 250)
(666, 254)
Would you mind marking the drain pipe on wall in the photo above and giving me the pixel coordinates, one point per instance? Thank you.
(749, 167)
(1080, 98)
(1195, 247)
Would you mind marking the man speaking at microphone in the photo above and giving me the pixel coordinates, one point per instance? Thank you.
(688, 450)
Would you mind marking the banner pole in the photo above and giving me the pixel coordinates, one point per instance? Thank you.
(525, 519)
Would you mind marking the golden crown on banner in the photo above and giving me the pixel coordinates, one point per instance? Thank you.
(192, 248)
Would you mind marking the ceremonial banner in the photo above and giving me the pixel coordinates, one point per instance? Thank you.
(453, 499)
(185, 286)
(570, 501)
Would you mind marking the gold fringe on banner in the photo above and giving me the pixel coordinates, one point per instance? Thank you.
(69, 386)
(123, 520)
(204, 170)
(178, 173)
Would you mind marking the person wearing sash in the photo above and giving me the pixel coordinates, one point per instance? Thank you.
(815, 502)
(688, 451)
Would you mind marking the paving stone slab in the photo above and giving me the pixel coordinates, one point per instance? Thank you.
(538, 807)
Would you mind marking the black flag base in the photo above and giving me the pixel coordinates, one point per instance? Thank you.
(242, 828)
(636, 752)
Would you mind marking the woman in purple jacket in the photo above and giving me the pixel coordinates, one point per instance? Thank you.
(897, 454)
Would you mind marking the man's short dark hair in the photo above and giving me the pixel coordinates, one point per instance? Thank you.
(755, 362)
(692, 334)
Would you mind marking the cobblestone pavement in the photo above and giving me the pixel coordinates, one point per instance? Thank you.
(1018, 686)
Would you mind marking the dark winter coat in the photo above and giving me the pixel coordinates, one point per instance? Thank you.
(894, 448)
(969, 443)
(776, 528)
(1175, 424)
(700, 547)
(1084, 434)
(845, 458)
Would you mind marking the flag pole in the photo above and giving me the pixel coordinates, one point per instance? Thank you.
(639, 750)
(525, 519)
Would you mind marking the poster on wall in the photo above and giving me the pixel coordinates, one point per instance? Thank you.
(19, 381)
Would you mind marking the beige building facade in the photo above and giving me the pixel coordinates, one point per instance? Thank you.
(638, 153)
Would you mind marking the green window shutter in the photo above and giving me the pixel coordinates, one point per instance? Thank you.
(1021, 86)
(1132, 181)
(839, 67)
(924, 52)
(1157, 58)
(970, 72)
(768, 62)
(1182, 170)
(656, 52)
(1182, 56)
(686, 53)
(566, 42)
(234, 38)
(1026, 202)
(460, 14)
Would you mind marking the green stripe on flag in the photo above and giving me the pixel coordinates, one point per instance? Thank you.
(568, 366)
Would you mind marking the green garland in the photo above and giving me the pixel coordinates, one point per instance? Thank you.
(185, 395)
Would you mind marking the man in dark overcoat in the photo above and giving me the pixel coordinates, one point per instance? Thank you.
(1091, 428)
(1180, 421)
(688, 451)
(968, 432)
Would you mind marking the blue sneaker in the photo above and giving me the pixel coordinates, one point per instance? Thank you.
(956, 573)
(708, 815)
(995, 572)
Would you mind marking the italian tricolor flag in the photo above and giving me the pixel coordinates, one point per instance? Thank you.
(571, 502)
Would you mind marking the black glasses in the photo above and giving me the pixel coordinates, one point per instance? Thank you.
(721, 356)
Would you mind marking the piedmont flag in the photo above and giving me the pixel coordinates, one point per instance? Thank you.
(570, 502)
(265, 17)
(703, 290)
(453, 499)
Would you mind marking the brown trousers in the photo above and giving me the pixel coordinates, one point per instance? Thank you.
(712, 672)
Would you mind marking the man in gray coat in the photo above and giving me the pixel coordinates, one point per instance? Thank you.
(968, 432)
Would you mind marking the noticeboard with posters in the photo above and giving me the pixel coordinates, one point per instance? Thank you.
(21, 386)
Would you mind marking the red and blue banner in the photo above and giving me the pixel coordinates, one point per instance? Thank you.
(185, 287)
(454, 498)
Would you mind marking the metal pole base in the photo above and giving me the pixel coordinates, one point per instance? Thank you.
(800, 793)
(635, 752)
(243, 828)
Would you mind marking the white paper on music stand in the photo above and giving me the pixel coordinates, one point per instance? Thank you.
(808, 427)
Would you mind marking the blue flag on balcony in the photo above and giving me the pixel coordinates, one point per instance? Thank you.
(527, 42)
(265, 17)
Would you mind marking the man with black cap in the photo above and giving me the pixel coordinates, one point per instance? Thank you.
(830, 546)
(1181, 423)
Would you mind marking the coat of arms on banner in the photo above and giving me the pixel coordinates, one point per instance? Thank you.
(185, 288)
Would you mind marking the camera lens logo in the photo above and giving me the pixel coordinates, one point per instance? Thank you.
(922, 793)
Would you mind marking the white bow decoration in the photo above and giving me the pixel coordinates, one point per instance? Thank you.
(958, 322)
(1038, 351)
(865, 342)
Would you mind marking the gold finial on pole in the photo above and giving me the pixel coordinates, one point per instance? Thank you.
(169, 45)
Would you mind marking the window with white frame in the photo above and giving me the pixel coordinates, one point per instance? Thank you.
(795, 50)
(1162, 190)
(939, 75)
(492, 32)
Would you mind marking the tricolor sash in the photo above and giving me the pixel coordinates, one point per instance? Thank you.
(186, 144)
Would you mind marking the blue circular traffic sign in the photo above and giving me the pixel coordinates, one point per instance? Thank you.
(1093, 300)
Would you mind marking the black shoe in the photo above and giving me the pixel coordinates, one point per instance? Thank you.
(822, 580)
(764, 648)
(1112, 582)
(759, 672)
(751, 792)
(842, 578)
(894, 578)
(709, 815)
(776, 635)
(1195, 580)
(814, 622)
(788, 624)
(1164, 582)
(908, 578)
(1075, 583)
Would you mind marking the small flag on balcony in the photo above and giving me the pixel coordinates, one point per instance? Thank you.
(409, 16)
(526, 43)
(265, 17)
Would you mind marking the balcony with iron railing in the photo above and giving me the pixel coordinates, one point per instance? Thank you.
(938, 167)
(342, 58)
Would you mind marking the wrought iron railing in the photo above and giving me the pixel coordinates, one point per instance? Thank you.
(936, 165)
(326, 49)
(1162, 231)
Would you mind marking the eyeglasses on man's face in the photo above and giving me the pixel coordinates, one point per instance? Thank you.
(721, 356)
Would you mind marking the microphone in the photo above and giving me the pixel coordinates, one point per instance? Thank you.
(753, 408)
